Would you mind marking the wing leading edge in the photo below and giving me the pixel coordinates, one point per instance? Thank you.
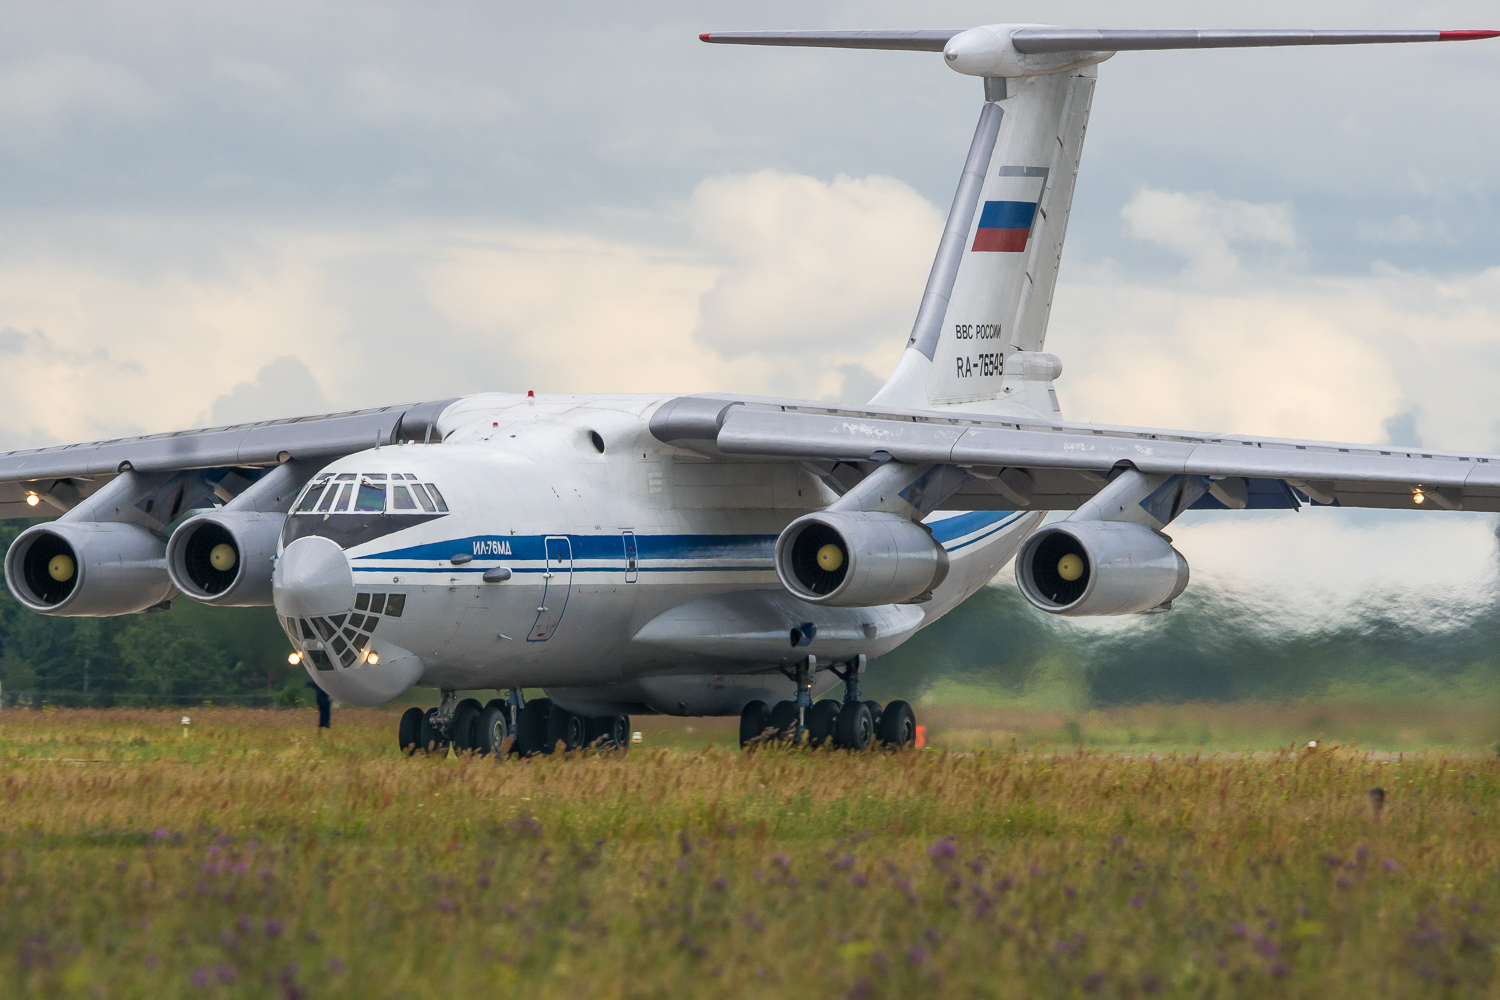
(1040, 465)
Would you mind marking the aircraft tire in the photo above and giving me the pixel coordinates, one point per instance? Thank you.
(755, 719)
(409, 733)
(898, 726)
(823, 721)
(784, 720)
(875, 712)
(466, 724)
(856, 729)
(531, 728)
(494, 728)
(610, 732)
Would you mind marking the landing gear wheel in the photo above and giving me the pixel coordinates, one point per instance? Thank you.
(409, 733)
(609, 732)
(466, 724)
(898, 725)
(493, 728)
(531, 727)
(433, 739)
(856, 729)
(755, 719)
(822, 721)
(564, 727)
(784, 720)
(875, 713)
(575, 732)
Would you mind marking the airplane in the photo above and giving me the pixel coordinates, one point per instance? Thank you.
(710, 554)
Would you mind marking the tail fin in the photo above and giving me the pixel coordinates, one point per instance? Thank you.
(990, 291)
(978, 337)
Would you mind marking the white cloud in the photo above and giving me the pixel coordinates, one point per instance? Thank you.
(45, 88)
(283, 388)
(1266, 348)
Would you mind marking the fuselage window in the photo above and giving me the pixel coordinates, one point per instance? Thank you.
(371, 498)
(437, 498)
(310, 498)
(423, 498)
(401, 499)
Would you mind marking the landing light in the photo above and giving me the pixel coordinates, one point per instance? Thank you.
(294, 658)
(1417, 497)
(32, 499)
(373, 658)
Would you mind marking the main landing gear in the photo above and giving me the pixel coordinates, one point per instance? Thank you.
(512, 725)
(849, 724)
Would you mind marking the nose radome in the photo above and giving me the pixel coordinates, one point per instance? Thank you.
(312, 578)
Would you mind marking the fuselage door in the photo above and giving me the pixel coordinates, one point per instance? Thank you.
(557, 582)
(632, 561)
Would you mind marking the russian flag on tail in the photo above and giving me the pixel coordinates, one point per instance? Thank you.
(1005, 221)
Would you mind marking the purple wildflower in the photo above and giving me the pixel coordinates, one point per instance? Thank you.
(161, 833)
(916, 955)
(213, 852)
(245, 924)
(1137, 901)
(445, 904)
(226, 973)
(1390, 864)
(859, 880)
(1070, 891)
(720, 884)
(1093, 980)
(781, 861)
(274, 928)
(1279, 969)
(844, 863)
(943, 850)
(200, 978)
(337, 966)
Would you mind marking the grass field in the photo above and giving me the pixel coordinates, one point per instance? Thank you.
(250, 857)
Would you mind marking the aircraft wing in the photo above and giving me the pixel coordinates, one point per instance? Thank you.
(1036, 464)
(87, 466)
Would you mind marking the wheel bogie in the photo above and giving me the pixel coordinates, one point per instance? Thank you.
(493, 732)
(784, 720)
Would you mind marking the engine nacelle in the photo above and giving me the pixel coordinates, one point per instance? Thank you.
(88, 569)
(1082, 568)
(858, 559)
(225, 557)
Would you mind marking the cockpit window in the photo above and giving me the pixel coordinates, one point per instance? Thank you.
(371, 498)
(367, 493)
(310, 498)
(422, 498)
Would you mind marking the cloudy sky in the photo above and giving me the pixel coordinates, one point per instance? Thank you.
(218, 212)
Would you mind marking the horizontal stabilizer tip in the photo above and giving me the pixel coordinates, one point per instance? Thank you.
(1467, 36)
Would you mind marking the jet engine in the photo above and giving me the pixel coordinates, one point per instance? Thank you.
(858, 559)
(88, 569)
(1083, 568)
(225, 557)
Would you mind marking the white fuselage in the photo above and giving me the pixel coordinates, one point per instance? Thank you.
(639, 576)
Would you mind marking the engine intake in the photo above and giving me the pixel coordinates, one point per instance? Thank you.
(87, 569)
(225, 557)
(1084, 568)
(858, 559)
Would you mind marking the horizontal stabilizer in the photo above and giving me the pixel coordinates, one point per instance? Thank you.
(1046, 38)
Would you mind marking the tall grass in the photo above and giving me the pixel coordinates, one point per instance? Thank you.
(252, 858)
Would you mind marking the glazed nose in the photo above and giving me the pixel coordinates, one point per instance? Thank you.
(312, 578)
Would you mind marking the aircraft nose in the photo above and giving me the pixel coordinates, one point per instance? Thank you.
(312, 578)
